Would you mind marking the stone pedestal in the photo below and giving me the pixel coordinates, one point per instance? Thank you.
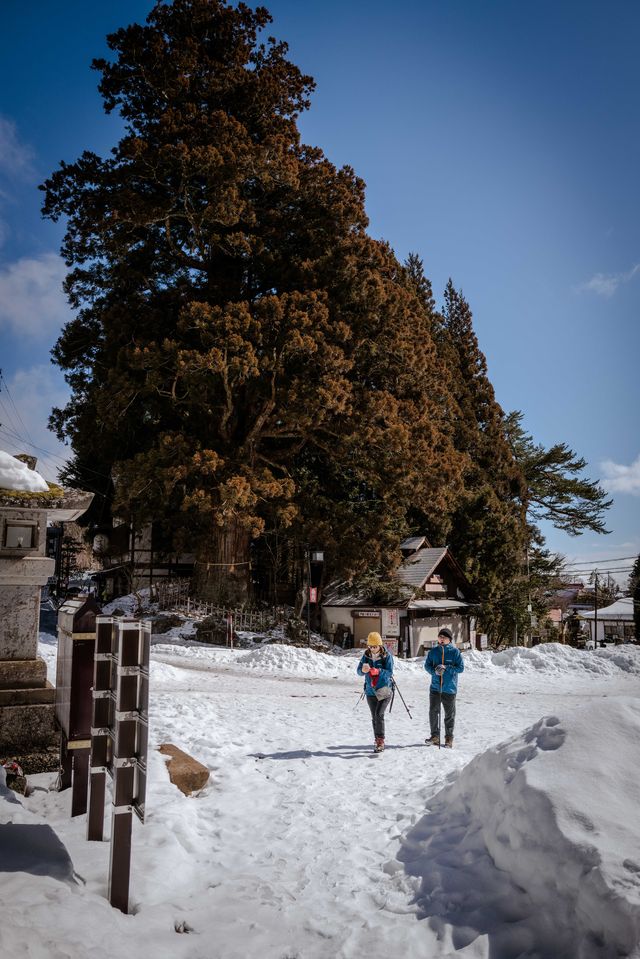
(27, 712)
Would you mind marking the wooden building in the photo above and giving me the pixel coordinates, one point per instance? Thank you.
(434, 592)
(133, 559)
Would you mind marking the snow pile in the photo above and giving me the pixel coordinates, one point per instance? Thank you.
(295, 660)
(16, 475)
(535, 849)
(128, 605)
(193, 654)
(557, 660)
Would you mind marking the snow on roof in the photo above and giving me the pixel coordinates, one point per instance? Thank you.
(413, 542)
(437, 604)
(621, 610)
(16, 475)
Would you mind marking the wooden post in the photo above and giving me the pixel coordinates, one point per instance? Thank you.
(129, 763)
(120, 858)
(80, 785)
(95, 817)
(100, 727)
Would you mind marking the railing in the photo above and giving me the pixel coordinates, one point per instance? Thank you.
(176, 596)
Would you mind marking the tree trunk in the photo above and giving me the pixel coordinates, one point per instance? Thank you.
(222, 573)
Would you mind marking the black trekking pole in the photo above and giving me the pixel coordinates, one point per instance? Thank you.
(360, 698)
(397, 688)
(440, 706)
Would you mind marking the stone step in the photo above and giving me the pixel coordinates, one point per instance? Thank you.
(41, 696)
(22, 673)
(24, 728)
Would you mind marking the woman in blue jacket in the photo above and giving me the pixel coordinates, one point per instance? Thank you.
(376, 666)
(443, 662)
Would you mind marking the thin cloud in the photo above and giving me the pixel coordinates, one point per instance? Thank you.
(16, 157)
(31, 299)
(606, 284)
(619, 478)
(24, 413)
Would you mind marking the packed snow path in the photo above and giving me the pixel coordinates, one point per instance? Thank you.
(304, 847)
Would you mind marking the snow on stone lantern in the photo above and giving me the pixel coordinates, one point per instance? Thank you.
(27, 502)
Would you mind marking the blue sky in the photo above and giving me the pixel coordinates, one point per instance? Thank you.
(499, 140)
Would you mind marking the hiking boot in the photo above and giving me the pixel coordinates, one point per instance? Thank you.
(379, 746)
(448, 742)
(433, 741)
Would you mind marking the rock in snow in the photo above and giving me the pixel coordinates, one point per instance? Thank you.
(535, 847)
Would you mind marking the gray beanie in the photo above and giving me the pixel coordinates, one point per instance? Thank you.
(446, 632)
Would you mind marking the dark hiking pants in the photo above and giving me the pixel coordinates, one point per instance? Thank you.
(378, 708)
(449, 705)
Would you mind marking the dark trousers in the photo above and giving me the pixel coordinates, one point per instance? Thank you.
(449, 705)
(378, 708)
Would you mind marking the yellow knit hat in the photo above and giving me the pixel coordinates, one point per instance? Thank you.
(374, 639)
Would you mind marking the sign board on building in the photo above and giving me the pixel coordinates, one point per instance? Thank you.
(390, 622)
(366, 613)
(391, 645)
(313, 594)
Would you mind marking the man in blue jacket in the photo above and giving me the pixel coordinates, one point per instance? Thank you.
(443, 662)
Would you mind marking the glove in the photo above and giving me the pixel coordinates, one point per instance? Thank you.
(440, 669)
(374, 671)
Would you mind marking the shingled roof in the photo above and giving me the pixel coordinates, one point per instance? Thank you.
(417, 568)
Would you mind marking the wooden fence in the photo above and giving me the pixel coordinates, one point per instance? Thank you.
(176, 596)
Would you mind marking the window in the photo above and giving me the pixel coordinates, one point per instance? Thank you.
(19, 535)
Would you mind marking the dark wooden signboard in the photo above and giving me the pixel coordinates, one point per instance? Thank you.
(73, 702)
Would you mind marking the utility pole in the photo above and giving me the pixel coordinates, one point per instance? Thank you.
(308, 549)
(595, 612)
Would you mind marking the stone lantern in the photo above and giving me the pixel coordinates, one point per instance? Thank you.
(27, 503)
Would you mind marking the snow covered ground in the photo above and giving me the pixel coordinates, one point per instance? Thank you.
(523, 841)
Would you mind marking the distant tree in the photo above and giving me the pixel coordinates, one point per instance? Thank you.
(488, 532)
(553, 490)
(634, 592)
(573, 628)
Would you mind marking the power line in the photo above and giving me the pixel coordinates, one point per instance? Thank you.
(595, 562)
(16, 436)
(10, 398)
(7, 416)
